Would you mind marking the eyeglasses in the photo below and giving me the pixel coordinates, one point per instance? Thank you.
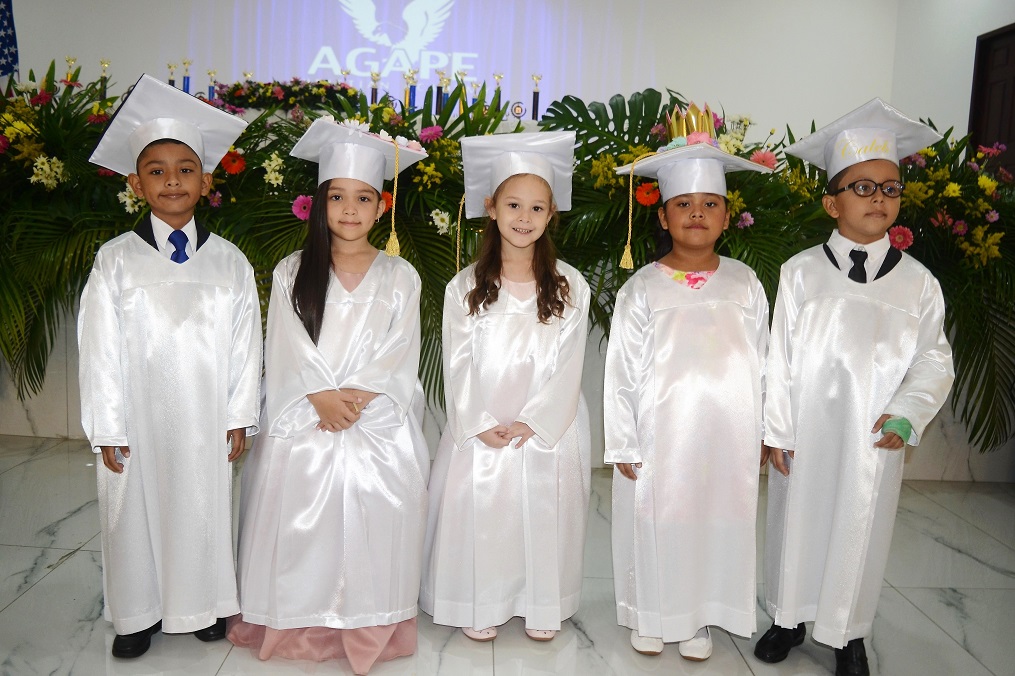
(866, 187)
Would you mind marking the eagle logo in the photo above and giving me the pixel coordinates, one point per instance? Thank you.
(422, 22)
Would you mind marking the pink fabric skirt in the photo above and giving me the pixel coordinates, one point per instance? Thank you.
(362, 647)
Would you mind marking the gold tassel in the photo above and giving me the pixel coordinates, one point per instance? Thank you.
(458, 237)
(392, 248)
(627, 260)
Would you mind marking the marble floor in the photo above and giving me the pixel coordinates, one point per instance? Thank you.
(947, 606)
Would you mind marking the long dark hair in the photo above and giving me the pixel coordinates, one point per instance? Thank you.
(310, 288)
(552, 288)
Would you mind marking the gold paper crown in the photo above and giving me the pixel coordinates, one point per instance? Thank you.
(692, 120)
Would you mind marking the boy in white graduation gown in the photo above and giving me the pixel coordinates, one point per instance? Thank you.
(683, 403)
(858, 366)
(170, 339)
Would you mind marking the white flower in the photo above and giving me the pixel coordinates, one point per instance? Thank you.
(49, 171)
(384, 135)
(358, 125)
(441, 220)
(273, 163)
(274, 178)
(130, 201)
(329, 118)
(402, 141)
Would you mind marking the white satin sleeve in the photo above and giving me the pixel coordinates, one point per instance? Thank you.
(758, 323)
(779, 429)
(245, 356)
(553, 409)
(294, 367)
(929, 377)
(394, 368)
(466, 408)
(100, 344)
(626, 364)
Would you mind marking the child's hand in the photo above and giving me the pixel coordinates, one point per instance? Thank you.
(237, 439)
(520, 429)
(337, 410)
(765, 453)
(109, 457)
(495, 437)
(890, 440)
(627, 469)
(363, 398)
(778, 458)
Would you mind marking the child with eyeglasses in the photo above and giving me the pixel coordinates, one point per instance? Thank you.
(858, 365)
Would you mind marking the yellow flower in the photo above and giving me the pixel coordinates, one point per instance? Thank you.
(951, 190)
(427, 175)
(633, 153)
(983, 247)
(928, 152)
(982, 207)
(799, 183)
(603, 171)
(987, 184)
(17, 128)
(734, 203)
(387, 114)
(916, 194)
(940, 174)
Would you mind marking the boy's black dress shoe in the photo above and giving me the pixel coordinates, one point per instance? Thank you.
(774, 646)
(215, 632)
(136, 644)
(852, 660)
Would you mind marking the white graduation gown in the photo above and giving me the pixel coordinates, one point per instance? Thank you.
(170, 360)
(332, 523)
(842, 354)
(683, 396)
(506, 527)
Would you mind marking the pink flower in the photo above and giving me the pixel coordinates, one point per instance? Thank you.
(98, 119)
(746, 220)
(215, 199)
(396, 120)
(1004, 175)
(5, 143)
(973, 165)
(717, 121)
(658, 132)
(960, 228)
(41, 99)
(992, 216)
(301, 207)
(765, 158)
(941, 220)
(296, 114)
(698, 137)
(901, 237)
(915, 159)
(106, 172)
(992, 151)
(278, 93)
(70, 83)
(428, 134)
(414, 145)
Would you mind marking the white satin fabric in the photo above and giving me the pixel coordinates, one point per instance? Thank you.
(843, 354)
(331, 524)
(684, 397)
(170, 360)
(506, 528)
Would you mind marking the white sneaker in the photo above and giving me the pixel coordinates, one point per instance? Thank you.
(646, 645)
(697, 649)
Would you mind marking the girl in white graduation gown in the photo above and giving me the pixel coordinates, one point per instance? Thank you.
(683, 405)
(334, 494)
(510, 484)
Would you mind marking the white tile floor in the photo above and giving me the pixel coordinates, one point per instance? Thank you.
(948, 604)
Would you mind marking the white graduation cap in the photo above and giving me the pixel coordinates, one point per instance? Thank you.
(488, 161)
(874, 131)
(346, 152)
(695, 168)
(154, 111)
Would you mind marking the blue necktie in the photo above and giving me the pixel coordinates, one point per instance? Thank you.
(179, 240)
(858, 273)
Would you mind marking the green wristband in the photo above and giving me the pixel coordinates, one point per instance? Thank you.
(900, 426)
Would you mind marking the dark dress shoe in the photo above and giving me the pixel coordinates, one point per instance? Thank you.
(774, 646)
(215, 632)
(136, 644)
(852, 660)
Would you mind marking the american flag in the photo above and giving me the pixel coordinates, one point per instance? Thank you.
(8, 40)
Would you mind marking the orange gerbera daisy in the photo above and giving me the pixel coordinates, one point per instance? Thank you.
(647, 194)
(233, 162)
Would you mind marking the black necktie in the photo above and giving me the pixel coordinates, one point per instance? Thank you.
(858, 273)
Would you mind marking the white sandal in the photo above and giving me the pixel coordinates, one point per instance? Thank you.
(540, 634)
(646, 645)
